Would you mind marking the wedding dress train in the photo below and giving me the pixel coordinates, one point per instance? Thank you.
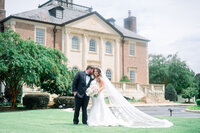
(120, 112)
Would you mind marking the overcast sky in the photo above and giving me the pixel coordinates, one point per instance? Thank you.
(173, 26)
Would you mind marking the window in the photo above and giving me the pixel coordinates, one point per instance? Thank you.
(75, 43)
(132, 75)
(59, 14)
(132, 50)
(92, 45)
(108, 48)
(40, 36)
(108, 74)
(75, 68)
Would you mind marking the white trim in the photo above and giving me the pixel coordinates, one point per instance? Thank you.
(134, 48)
(96, 45)
(112, 76)
(135, 73)
(111, 48)
(78, 39)
(45, 33)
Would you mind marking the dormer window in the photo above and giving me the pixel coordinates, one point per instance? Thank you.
(59, 13)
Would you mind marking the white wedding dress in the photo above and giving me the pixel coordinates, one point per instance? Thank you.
(120, 112)
(100, 114)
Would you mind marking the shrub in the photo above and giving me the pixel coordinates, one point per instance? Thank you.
(124, 79)
(65, 101)
(36, 101)
(189, 93)
(198, 102)
(170, 93)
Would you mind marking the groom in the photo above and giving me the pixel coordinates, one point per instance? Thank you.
(80, 84)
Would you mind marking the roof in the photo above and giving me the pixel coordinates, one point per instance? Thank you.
(42, 15)
(130, 34)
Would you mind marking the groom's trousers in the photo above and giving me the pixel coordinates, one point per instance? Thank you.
(81, 102)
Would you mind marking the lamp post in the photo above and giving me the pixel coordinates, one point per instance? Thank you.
(170, 110)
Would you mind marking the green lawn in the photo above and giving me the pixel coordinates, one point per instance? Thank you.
(58, 121)
(193, 107)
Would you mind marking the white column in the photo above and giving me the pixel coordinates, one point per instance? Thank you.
(12, 25)
(2, 88)
(63, 41)
(84, 51)
(67, 46)
(101, 53)
(117, 60)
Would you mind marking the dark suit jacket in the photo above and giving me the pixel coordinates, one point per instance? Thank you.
(79, 84)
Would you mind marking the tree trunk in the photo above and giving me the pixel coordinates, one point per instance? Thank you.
(13, 97)
(188, 100)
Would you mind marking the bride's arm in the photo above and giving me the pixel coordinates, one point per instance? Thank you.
(101, 85)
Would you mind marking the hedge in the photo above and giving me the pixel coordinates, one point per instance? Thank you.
(198, 102)
(36, 101)
(64, 102)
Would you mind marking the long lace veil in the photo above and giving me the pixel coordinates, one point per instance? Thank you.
(126, 113)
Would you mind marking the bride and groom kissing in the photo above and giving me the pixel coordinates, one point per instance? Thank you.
(119, 113)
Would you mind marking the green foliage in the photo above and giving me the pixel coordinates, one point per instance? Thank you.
(194, 107)
(170, 69)
(158, 69)
(198, 102)
(170, 93)
(197, 81)
(70, 74)
(59, 121)
(25, 62)
(65, 101)
(189, 93)
(124, 78)
(33, 101)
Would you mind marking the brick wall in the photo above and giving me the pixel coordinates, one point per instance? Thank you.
(27, 31)
(138, 62)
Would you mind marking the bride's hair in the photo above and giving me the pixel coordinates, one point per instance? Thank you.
(99, 74)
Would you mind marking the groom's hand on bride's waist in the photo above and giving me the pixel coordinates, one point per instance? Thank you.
(75, 93)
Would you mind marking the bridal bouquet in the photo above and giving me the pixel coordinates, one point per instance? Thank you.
(92, 91)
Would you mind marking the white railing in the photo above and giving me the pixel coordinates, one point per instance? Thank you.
(138, 91)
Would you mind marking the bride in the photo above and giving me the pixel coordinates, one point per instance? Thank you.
(120, 112)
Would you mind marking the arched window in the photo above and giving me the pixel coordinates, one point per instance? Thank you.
(75, 68)
(108, 74)
(108, 47)
(92, 45)
(132, 75)
(75, 43)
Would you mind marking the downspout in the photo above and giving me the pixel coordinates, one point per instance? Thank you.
(123, 55)
(54, 36)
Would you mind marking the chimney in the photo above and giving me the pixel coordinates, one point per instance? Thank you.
(2, 14)
(130, 22)
(2, 9)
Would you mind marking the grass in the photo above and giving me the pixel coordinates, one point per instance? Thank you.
(193, 107)
(59, 121)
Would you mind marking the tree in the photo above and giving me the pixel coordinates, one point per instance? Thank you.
(23, 62)
(197, 80)
(179, 74)
(189, 93)
(170, 93)
(158, 69)
(170, 69)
